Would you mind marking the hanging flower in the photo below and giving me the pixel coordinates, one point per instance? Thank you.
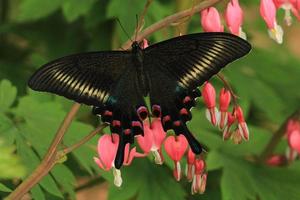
(210, 20)
(175, 147)
(199, 178)
(209, 97)
(225, 98)
(242, 125)
(153, 138)
(293, 137)
(268, 13)
(190, 168)
(107, 150)
(234, 18)
(288, 6)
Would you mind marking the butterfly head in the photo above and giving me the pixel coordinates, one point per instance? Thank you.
(135, 46)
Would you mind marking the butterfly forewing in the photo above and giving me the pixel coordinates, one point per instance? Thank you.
(86, 78)
(193, 59)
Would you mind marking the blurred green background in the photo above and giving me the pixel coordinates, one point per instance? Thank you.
(33, 32)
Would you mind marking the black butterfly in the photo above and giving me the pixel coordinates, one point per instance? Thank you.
(115, 82)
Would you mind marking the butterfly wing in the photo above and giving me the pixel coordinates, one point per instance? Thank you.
(106, 80)
(178, 66)
(85, 78)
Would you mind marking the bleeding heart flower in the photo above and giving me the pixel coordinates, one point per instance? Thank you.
(242, 125)
(230, 120)
(234, 18)
(225, 98)
(153, 138)
(293, 135)
(199, 179)
(288, 6)
(276, 160)
(268, 13)
(107, 150)
(175, 148)
(190, 168)
(210, 20)
(209, 97)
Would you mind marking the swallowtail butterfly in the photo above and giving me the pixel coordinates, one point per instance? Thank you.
(116, 82)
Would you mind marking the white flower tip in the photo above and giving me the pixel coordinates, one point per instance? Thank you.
(242, 34)
(213, 116)
(276, 33)
(157, 158)
(117, 177)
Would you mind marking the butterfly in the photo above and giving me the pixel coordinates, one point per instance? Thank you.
(116, 82)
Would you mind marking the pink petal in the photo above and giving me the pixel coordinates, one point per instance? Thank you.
(158, 134)
(234, 16)
(225, 98)
(268, 12)
(276, 160)
(107, 149)
(199, 166)
(294, 140)
(146, 141)
(176, 147)
(209, 95)
(210, 20)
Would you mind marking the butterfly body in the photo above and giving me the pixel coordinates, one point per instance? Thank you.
(116, 82)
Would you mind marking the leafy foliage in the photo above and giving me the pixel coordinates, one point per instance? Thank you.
(34, 32)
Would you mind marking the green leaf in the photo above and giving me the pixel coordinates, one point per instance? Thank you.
(146, 181)
(37, 193)
(65, 178)
(8, 94)
(4, 188)
(244, 180)
(32, 161)
(10, 165)
(73, 9)
(35, 9)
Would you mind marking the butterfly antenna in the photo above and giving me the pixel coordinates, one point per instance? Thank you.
(122, 27)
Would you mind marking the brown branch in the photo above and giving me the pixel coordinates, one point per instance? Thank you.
(85, 139)
(169, 20)
(52, 155)
(49, 160)
(269, 149)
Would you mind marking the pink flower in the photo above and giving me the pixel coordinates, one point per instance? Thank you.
(145, 44)
(234, 18)
(210, 20)
(153, 138)
(175, 148)
(209, 97)
(107, 149)
(288, 6)
(225, 98)
(276, 160)
(293, 135)
(230, 120)
(268, 13)
(242, 125)
(200, 177)
(190, 168)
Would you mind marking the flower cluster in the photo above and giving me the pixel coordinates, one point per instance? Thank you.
(151, 142)
(221, 117)
(292, 134)
(211, 22)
